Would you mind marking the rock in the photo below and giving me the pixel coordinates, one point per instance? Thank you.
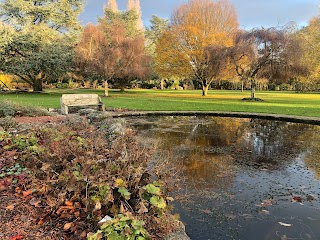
(179, 234)
(52, 110)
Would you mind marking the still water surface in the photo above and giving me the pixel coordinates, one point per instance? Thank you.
(245, 179)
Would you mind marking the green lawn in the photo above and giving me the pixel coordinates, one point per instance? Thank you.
(230, 101)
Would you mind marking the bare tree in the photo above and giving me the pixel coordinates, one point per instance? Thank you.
(261, 53)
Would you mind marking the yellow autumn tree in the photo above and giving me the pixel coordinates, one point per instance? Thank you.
(196, 27)
(310, 42)
(6, 80)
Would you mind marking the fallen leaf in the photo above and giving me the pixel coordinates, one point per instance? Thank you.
(18, 190)
(17, 237)
(265, 212)
(35, 202)
(97, 206)
(64, 208)
(98, 235)
(77, 205)
(67, 226)
(45, 167)
(170, 199)
(122, 209)
(41, 222)
(143, 208)
(10, 207)
(3, 187)
(110, 198)
(68, 203)
(296, 199)
(266, 203)
(206, 211)
(77, 214)
(29, 192)
(285, 224)
(83, 235)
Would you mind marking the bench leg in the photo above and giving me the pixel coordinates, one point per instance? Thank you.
(64, 109)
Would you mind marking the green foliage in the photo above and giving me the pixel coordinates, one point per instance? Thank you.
(123, 227)
(13, 171)
(158, 202)
(37, 38)
(154, 32)
(6, 109)
(154, 194)
(124, 193)
(127, 19)
(26, 143)
(152, 189)
(62, 85)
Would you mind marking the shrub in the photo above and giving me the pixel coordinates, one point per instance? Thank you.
(62, 85)
(285, 87)
(8, 108)
(83, 175)
(8, 122)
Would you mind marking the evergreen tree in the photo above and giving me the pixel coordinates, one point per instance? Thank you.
(37, 38)
(139, 20)
(113, 5)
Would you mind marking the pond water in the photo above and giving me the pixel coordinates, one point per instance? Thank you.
(244, 179)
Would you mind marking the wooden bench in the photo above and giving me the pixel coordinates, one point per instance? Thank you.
(75, 100)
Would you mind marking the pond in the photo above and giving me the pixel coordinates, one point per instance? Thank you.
(242, 178)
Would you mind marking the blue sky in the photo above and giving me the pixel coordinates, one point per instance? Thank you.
(251, 13)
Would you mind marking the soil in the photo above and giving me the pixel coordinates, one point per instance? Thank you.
(42, 119)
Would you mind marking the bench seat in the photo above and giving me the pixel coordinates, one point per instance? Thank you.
(75, 100)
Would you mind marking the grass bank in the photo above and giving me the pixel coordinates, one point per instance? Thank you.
(289, 103)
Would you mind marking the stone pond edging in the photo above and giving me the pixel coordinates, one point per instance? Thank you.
(278, 117)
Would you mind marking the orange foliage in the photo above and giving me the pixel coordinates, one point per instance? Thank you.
(107, 50)
(195, 26)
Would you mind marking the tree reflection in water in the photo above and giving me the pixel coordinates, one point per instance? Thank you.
(232, 165)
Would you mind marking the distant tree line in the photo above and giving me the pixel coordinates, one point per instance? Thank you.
(201, 47)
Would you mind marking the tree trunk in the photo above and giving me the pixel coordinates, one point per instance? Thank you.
(242, 85)
(4, 84)
(106, 89)
(161, 84)
(253, 88)
(205, 88)
(37, 85)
